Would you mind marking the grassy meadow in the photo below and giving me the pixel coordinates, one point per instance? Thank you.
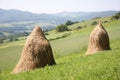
(69, 53)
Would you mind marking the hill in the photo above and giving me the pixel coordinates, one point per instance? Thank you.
(15, 21)
(69, 52)
(80, 16)
(7, 16)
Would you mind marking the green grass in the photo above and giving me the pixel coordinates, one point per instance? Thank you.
(69, 53)
(103, 66)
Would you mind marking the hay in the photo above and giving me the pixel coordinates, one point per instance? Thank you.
(98, 41)
(36, 52)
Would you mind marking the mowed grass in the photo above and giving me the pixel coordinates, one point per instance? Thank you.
(69, 53)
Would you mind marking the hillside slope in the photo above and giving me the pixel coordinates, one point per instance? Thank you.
(69, 52)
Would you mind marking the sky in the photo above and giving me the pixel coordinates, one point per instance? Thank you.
(56, 6)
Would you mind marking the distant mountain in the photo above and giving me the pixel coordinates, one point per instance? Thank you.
(79, 16)
(8, 16)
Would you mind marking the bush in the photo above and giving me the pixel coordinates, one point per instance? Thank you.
(46, 33)
(85, 25)
(66, 35)
(94, 23)
(62, 28)
(59, 37)
(116, 16)
(105, 21)
(16, 39)
(79, 27)
(96, 18)
(1, 40)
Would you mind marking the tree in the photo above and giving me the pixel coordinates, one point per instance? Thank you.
(62, 28)
(68, 22)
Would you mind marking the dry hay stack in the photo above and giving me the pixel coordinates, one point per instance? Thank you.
(36, 52)
(98, 41)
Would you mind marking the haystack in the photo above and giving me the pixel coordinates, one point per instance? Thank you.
(36, 52)
(99, 40)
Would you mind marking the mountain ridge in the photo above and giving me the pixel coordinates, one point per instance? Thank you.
(14, 15)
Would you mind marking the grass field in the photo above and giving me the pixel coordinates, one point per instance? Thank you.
(69, 52)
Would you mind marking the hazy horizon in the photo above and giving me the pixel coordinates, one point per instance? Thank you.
(57, 6)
